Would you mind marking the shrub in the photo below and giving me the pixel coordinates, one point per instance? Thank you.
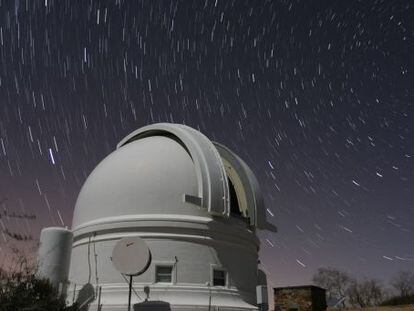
(399, 300)
(21, 289)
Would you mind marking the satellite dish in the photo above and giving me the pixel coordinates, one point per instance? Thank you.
(131, 256)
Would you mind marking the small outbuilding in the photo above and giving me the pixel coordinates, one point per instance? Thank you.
(300, 298)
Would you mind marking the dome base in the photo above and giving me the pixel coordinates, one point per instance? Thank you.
(169, 298)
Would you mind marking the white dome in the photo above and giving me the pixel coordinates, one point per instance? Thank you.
(194, 202)
(148, 176)
(168, 169)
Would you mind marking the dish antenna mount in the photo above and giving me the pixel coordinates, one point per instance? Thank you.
(131, 256)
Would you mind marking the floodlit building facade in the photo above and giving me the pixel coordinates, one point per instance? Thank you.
(196, 204)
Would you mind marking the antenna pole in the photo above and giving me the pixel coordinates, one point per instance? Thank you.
(130, 291)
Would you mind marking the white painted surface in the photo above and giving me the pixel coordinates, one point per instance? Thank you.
(131, 256)
(54, 255)
(139, 190)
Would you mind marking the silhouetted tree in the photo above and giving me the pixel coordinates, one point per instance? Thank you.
(365, 293)
(403, 283)
(333, 280)
(21, 289)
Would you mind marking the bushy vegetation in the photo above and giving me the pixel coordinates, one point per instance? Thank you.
(21, 289)
(398, 300)
(366, 292)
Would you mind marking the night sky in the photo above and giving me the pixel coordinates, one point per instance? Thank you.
(316, 96)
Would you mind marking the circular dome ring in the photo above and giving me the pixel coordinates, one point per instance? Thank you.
(249, 185)
(213, 188)
(250, 188)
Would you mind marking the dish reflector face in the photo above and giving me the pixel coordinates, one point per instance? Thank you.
(131, 256)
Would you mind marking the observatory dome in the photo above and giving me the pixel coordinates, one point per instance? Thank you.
(168, 169)
(147, 176)
(196, 205)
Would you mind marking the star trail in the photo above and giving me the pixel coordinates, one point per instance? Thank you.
(317, 97)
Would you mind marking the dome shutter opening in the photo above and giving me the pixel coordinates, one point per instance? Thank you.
(213, 188)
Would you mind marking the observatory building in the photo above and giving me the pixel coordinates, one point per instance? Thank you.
(196, 205)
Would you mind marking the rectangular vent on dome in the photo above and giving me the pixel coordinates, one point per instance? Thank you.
(188, 198)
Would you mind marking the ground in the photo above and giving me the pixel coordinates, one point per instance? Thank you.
(389, 308)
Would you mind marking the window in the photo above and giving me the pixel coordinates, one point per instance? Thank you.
(219, 277)
(163, 274)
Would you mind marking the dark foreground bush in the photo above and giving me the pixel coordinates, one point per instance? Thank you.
(23, 291)
(399, 300)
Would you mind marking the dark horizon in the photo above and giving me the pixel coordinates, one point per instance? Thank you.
(317, 99)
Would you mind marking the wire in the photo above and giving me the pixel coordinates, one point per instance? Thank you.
(96, 263)
(89, 260)
(133, 289)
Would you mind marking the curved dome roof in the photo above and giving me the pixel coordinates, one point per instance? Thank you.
(167, 169)
(148, 176)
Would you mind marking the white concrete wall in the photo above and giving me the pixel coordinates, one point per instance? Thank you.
(193, 251)
(53, 256)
